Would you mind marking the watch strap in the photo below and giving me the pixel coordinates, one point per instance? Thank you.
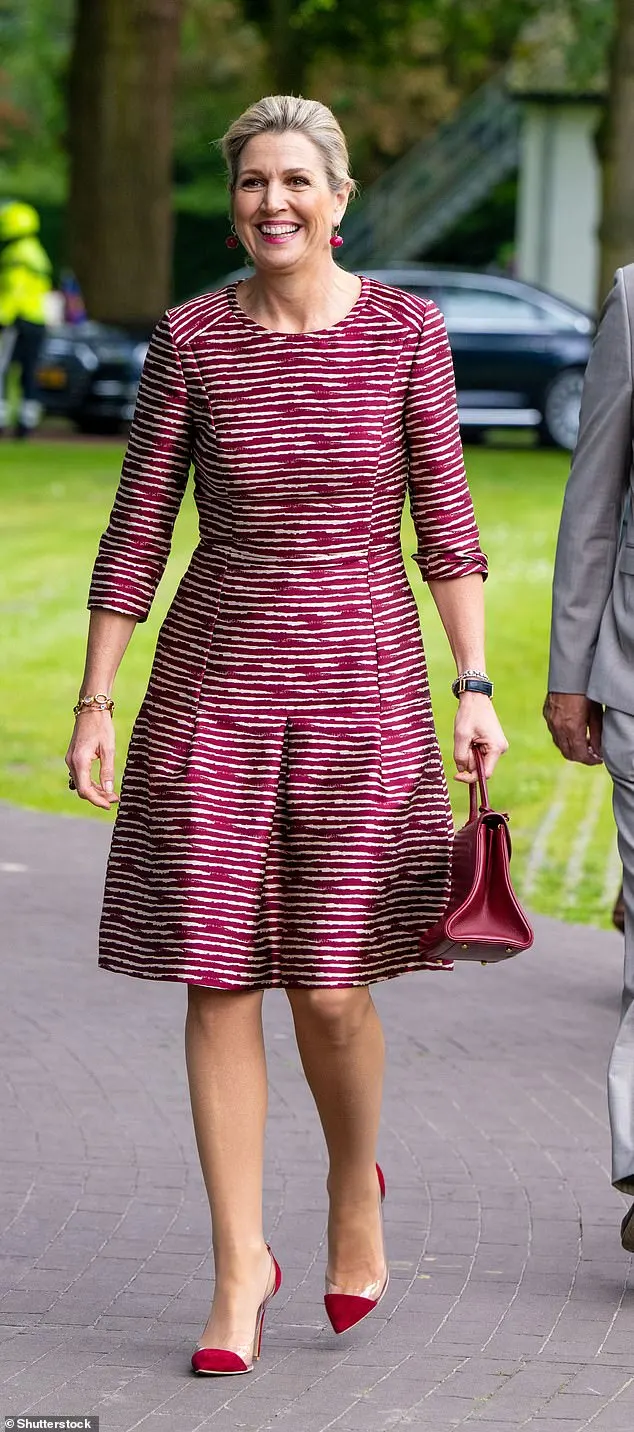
(479, 684)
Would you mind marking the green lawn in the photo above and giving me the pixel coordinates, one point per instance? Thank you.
(55, 501)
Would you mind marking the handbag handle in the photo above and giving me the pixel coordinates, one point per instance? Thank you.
(481, 783)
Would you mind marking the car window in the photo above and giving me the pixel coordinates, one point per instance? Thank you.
(482, 310)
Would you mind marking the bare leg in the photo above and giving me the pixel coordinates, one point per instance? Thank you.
(226, 1068)
(342, 1050)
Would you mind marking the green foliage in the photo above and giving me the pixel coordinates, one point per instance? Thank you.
(565, 48)
(479, 35)
(34, 44)
(472, 35)
(592, 27)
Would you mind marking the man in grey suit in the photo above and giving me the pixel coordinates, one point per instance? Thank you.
(590, 704)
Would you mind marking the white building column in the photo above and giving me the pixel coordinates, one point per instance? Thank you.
(559, 197)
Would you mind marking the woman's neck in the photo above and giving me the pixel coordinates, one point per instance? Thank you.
(297, 302)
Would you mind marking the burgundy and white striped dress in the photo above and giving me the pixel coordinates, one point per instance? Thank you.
(284, 816)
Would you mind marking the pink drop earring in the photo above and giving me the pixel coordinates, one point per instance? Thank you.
(336, 239)
(232, 241)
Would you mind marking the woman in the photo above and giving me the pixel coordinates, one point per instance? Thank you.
(284, 817)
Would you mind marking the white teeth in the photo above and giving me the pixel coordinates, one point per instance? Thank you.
(279, 228)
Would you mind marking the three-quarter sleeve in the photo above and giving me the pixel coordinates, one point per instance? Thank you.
(134, 548)
(442, 510)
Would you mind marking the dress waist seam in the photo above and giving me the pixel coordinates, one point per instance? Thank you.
(239, 556)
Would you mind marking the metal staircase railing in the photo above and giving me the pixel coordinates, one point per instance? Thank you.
(440, 180)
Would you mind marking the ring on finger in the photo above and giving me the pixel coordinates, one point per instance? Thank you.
(71, 784)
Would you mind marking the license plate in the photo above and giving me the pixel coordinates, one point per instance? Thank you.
(52, 377)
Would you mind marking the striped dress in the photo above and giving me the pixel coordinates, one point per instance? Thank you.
(284, 817)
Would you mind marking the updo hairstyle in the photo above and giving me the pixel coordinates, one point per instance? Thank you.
(278, 113)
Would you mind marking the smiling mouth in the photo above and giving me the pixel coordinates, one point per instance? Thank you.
(277, 232)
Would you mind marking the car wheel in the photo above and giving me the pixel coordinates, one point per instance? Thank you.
(560, 423)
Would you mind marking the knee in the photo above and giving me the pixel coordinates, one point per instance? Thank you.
(338, 1013)
(211, 1007)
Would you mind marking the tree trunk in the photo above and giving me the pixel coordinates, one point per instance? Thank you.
(617, 223)
(285, 49)
(120, 144)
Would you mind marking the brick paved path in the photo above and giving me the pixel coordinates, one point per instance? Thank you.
(509, 1303)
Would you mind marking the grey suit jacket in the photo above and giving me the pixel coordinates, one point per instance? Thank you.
(592, 635)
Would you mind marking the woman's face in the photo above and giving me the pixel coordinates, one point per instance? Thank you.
(283, 207)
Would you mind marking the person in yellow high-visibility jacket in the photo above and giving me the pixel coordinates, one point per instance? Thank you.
(25, 280)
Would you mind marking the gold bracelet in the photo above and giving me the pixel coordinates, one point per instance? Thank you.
(88, 703)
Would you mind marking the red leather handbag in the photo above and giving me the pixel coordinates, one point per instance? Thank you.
(483, 919)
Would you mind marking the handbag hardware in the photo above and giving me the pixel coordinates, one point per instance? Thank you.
(483, 920)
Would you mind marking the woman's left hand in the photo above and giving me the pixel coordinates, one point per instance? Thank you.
(476, 724)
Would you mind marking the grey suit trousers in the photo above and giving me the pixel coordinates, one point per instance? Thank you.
(592, 638)
(618, 754)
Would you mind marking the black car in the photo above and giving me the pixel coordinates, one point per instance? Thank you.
(89, 373)
(519, 353)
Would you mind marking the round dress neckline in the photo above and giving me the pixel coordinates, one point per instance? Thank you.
(349, 317)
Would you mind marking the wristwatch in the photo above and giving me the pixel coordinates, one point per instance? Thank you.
(480, 684)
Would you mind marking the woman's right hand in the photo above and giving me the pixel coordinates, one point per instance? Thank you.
(93, 740)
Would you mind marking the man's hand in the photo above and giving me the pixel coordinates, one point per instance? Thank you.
(575, 725)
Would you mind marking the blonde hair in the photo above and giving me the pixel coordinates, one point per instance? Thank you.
(277, 113)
